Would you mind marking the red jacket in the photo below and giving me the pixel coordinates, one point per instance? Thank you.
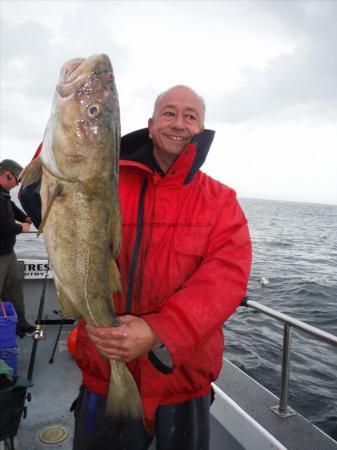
(184, 269)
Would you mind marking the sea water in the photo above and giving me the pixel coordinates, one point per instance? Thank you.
(295, 249)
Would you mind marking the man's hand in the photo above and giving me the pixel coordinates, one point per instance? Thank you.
(25, 227)
(28, 220)
(128, 341)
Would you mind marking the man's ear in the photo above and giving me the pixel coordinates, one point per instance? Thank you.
(150, 124)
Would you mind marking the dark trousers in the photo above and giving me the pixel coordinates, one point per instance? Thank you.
(184, 426)
(11, 289)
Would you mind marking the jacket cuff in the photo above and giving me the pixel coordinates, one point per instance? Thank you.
(18, 228)
(175, 331)
(161, 359)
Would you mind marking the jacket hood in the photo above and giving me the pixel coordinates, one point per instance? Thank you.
(201, 143)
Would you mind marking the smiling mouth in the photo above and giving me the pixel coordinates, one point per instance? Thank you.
(176, 138)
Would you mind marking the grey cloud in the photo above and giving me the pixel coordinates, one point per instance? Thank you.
(31, 57)
(33, 53)
(305, 78)
(25, 57)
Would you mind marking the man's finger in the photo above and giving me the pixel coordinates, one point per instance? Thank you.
(113, 354)
(106, 332)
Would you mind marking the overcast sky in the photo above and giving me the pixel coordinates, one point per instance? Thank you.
(266, 69)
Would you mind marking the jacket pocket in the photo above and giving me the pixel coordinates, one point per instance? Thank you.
(189, 251)
(192, 243)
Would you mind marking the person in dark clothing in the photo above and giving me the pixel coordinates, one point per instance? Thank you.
(10, 277)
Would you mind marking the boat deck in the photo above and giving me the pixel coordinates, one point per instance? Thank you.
(294, 432)
(241, 414)
(55, 387)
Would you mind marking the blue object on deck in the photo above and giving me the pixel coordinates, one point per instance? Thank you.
(8, 348)
(8, 320)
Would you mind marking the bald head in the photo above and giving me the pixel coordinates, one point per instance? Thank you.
(178, 116)
(182, 90)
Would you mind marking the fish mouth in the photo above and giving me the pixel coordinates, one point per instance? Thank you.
(70, 77)
(67, 71)
(76, 71)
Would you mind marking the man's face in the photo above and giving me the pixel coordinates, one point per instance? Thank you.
(9, 180)
(178, 117)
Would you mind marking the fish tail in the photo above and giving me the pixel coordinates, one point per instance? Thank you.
(123, 401)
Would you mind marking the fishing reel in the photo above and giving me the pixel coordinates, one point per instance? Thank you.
(38, 334)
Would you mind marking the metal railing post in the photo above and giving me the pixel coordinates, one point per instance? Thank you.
(283, 409)
(285, 367)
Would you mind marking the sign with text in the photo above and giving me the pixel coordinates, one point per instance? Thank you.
(36, 269)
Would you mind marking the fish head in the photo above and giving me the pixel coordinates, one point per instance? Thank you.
(83, 134)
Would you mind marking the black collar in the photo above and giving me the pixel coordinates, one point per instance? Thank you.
(144, 155)
(138, 147)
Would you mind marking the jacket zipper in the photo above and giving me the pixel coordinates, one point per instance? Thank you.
(136, 248)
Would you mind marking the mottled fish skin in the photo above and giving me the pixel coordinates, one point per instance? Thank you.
(80, 205)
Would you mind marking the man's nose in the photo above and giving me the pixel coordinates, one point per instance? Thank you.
(178, 122)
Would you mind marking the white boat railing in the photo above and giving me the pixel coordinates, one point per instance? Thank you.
(283, 410)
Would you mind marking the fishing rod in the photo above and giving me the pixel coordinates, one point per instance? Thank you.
(51, 360)
(38, 333)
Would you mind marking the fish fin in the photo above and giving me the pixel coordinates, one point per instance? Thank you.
(31, 173)
(56, 192)
(116, 229)
(114, 277)
(67, 307)
(123, 400)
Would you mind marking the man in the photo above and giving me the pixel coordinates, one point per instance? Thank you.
(10, 276)
(184, 265)
(184, 270)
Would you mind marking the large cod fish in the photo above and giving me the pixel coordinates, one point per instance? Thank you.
(81, 219)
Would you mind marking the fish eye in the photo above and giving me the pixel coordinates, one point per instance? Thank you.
(94, 110)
